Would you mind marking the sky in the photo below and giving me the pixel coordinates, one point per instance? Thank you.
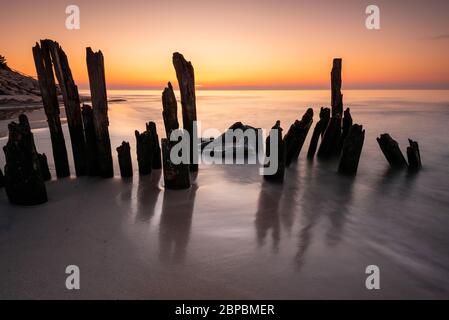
(240, 44)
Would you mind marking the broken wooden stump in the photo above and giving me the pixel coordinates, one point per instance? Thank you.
(2, 179)
(336, 96)
(352, 149)
(391, 151)
(347, 125)
(170, 110)
(329, 143)
(124, 160)
(144, 147)
(278, 175)
(71, 99)
(318, 132)
(186, 81)
(46, 79)
(413, 156)
(43, 162)
(23, 177)
(91, 143)
(97, 82)
(296, 135)
(156, 149)
(176, 176)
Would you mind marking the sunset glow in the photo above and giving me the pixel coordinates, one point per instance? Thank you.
(240, 44)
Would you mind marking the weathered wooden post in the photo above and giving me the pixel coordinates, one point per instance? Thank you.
(347, 124)
(71, 98)
(97, 81)
(352, 149)
(296, 135)
(2, 179)
(170, 110)
(391, 151)
(278, 176)
(47, 86)
(91, 143)
(176, 176)
(325, 114)
(414, 156)
(186, 81)
(332, 135)
(144, 147)
(46, 175)
(23, 178)
(156, 149)
(124, 160)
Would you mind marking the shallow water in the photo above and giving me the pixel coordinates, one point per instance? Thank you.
(233, 235)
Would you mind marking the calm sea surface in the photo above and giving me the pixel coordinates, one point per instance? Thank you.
(234, 236)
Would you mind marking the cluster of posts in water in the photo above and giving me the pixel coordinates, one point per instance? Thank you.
(26, 170)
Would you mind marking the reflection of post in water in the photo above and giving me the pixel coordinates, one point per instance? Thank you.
(175, 224)
(324, 196)
(147, 195)
(267, 216)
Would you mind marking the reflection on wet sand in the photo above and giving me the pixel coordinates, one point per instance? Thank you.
(147, 194)
(322, 195)
(175, 224)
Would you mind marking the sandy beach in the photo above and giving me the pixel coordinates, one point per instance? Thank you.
(232, 235)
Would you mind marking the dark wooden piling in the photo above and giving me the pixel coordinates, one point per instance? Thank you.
(337, 97)
(170, 110)
(144, 148)
(391, 151)
(278, 176)
(46, 79)
(347, 125)
(23, 177)
(352, 149)
(296, 135)
(176, 176)
(124, 160)
(329, 143)
(43, 162)
(97, 82)
(91, 143)
(186, 81)
(156, 149)
(318, 132)
(71, 99)
(413, 156)
(2, 179)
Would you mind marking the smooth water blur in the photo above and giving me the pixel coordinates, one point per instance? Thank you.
(235, 236)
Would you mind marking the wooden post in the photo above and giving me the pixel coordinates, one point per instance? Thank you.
(23, 178)
(124, 160)
(414, 156)
(318, 132)
(352, 148)
(170, 110)
(46, 175)
(176, 176)
(2, 179)
(91, 143)
(347, 125)
(296, 135)
(71, 98)
(97, 81)
(337, 97)
(156, 149)
(186, 81)
(47, 86)
(391, 151)
(144, 147)
(278, 176)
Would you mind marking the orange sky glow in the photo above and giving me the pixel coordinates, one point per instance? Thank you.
(240, 44)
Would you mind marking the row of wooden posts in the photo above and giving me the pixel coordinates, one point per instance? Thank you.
(26, 169)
